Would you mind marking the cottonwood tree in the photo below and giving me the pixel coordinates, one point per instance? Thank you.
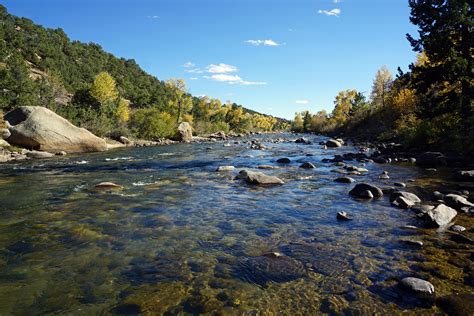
(380, 87)
(104, 89)
(180, 99)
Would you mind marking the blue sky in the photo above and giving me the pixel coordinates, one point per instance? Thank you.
(276, 57)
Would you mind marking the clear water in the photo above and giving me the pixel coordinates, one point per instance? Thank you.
(181, 238)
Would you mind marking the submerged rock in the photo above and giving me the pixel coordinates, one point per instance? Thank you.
(307, 165)
(417, 285)
(252, 177)
(344, 180)
(284, 160)
(272, 267)
(457, 304)
(343, 216)
(403, 202)
(108, 186)
(302, 140)
(440, 215)
(360, 190)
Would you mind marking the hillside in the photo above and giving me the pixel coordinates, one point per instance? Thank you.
(42, 66)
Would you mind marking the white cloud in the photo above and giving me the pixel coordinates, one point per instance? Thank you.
(221, 68)
(267, 42)
(194, 70)
(336, 1)
(233, 79)
(152, 17)
(193, 78)
(333, 12)
(302, 101)
(189, 65)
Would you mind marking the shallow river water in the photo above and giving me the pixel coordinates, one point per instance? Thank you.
(181, 238)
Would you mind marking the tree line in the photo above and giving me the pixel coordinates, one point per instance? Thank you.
(108, 95)
(429, 106)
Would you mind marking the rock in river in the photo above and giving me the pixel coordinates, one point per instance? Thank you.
(252, 177)
(465, 175)
(402, 202)
(39, 154)
(406, 195)
(333, 143)
(307, 165)
(360, 188)
(344, 180)
(343, 216)
(108, 186)
(272, 267)
(440, 215)
(457, 201)
(417, 285)
(284, 160)
(39, 128)
(225, 168)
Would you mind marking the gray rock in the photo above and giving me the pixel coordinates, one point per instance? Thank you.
(402, 202)
(399, 184)
(417, 285)
(422, 208)
(457, 201)
(412, 242)
(252, 177)
(439, 216)
(284, 160)
(465, 175)
(457, 228)
(307, 165)
(367, 194)
(4, 133)
(106, 186)
(225, 168)
(438, 196)
(184, 132)
(344, 180)
(267, 167)
(431, 159)
(342, 216)
(333, 143)
(384, 177)
(39, 154)
(302, 140)
(360, 188)
(124, 140)
(39, 128)
(407, 195)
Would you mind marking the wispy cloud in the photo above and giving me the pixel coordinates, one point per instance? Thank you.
(234, 79)
(267, 42)
(336, 1)
(334, 12)
(304, 101)
(189, 65)
(221, 68)
(194, 70)
(193, 78)
(153, 17)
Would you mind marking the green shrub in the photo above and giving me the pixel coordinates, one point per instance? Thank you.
(152, 124)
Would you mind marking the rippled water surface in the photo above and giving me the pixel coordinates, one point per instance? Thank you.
(181, 238)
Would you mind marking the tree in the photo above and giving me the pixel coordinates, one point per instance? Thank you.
(122, 112)
(380, 87)
(180, 100)
(343, 106)
(298, 124)
(445, 38)
(104, 89)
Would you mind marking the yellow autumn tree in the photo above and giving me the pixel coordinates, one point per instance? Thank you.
(122, 112)
(104, 89)
(405, 101)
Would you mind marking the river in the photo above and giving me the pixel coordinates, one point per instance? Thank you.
(181, 238)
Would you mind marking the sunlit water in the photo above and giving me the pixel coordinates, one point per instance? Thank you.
(181, 238)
